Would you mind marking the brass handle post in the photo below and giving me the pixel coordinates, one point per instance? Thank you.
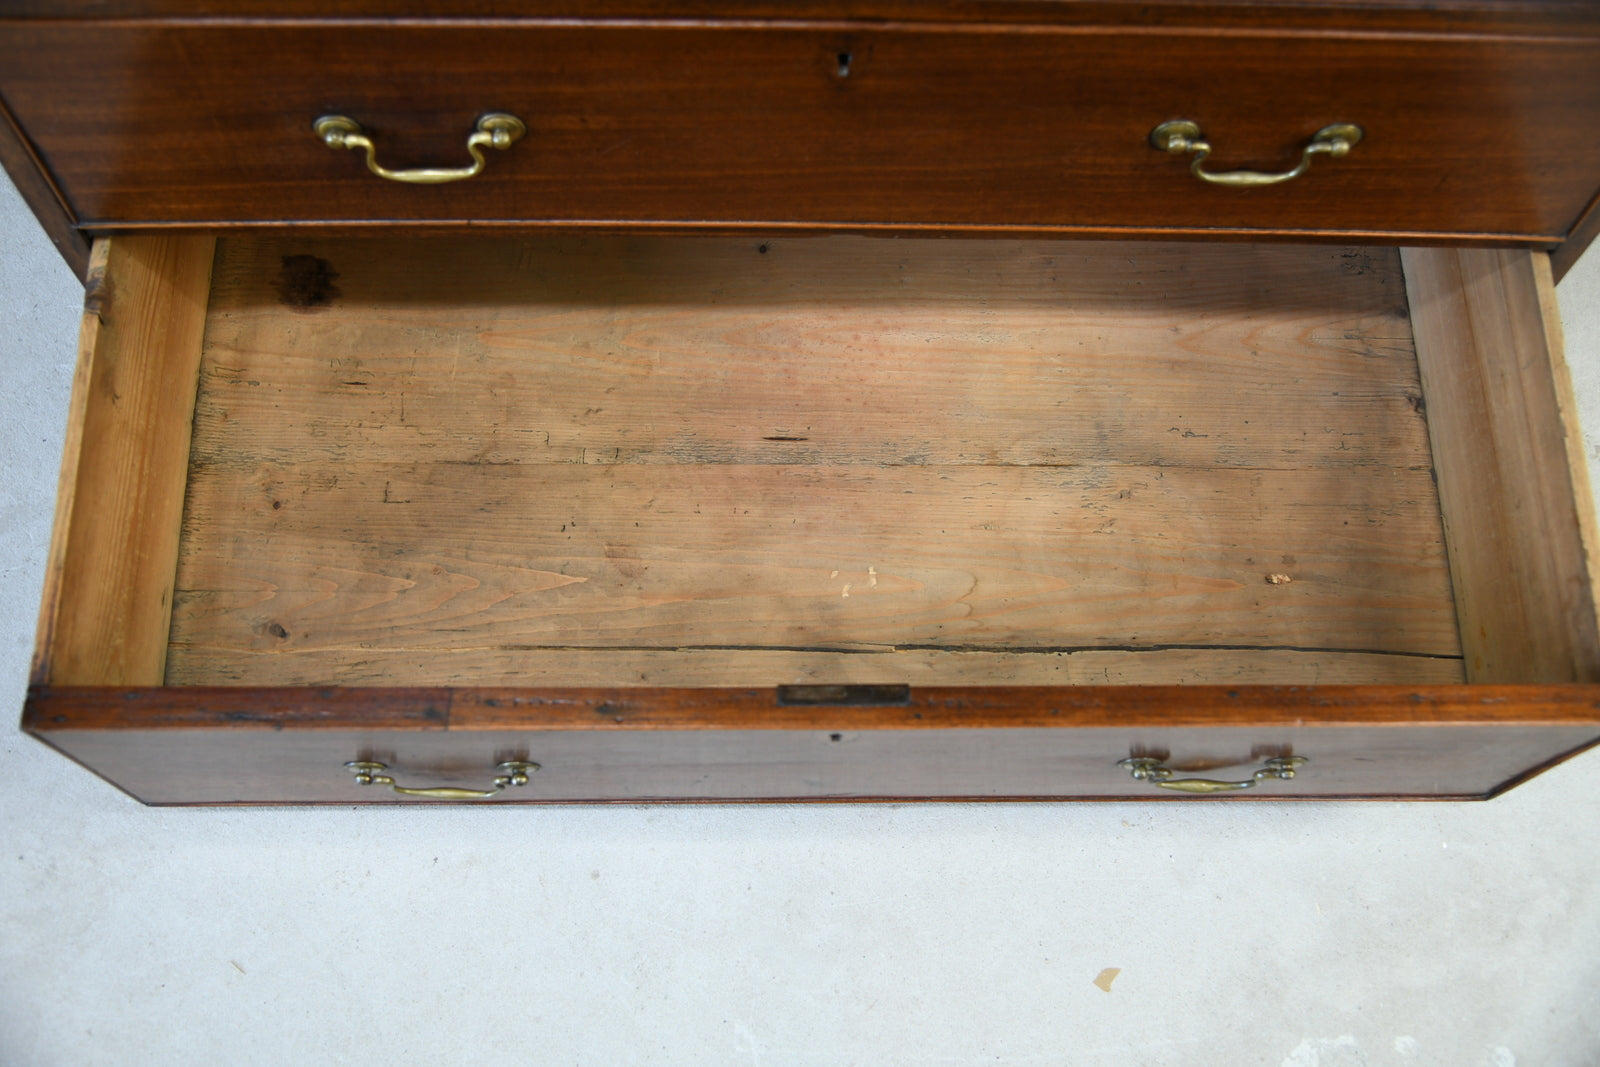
(512, 773)
(1149, 769)
(1181, 135)
(495, 130)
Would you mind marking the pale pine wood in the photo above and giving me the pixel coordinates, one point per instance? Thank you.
(108, 589)
(481, 460)
(818, 351)
(760, 668)
(505, 555)
(71, 453)
(1513, 484)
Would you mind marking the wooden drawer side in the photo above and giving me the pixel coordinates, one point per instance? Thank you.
(108, 582)
(1513, 483)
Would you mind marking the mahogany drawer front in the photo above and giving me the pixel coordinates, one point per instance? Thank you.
(1470, 137)
(241, 746)
(1004, 514)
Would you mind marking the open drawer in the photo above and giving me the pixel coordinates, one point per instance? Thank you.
(656, 518)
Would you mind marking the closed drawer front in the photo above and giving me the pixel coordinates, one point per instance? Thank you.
(831, 125)
(1001, 515)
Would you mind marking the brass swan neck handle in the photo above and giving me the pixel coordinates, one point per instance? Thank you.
(1181, 135)
(512, 773)
(1149, 769)
(495, 130)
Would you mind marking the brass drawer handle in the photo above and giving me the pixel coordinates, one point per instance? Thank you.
(495, 130)
(1148, 769)
(512, 772)
(1181, 135)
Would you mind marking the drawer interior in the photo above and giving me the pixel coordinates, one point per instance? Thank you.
(722, 518)
(730, 461)
(601, 461)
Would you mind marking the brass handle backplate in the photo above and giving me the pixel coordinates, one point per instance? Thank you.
(1181, 135)
(512, 773)
(496, 130)
(1149, 769)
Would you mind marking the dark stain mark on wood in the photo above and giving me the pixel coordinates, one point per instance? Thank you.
(625, 558)
(786, 438)
(306, 282)
(251, 717)
(97, 294)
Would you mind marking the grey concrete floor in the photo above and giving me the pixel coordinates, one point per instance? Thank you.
(1306, 935)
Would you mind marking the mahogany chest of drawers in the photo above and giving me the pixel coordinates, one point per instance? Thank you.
(729, 401)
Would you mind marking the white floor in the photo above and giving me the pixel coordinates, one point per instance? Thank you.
(1308, 935)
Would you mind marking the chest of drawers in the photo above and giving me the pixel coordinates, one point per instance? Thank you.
(775, 415)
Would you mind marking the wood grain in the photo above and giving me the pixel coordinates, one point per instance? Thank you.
(464, 461)
(108, 583)
(39, 192)
(1505, 16)
(797, 350)
(403, 558)
(755, 666)
(1512, 479)
(1579, 238)
(216, 746)
(266, 709)
(699, 122)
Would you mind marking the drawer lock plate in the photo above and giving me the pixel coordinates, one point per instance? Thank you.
(843, 696)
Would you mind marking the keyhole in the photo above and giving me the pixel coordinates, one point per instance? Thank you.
(843, 70)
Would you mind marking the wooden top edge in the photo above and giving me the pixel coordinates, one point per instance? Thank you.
(489, 228)
(965, 800)
(53, 709)
(1517, 16)
(50, 709)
